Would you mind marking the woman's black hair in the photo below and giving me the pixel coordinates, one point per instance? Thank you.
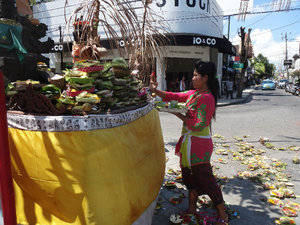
(209, 69)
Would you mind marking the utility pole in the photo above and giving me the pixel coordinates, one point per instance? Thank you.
(61, 52)
(227, 56)
(286, 57)
(228, 27)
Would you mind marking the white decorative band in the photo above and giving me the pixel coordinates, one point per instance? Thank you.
(75, 123)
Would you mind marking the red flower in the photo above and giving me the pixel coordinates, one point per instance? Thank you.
(80, 23)
(186, 218)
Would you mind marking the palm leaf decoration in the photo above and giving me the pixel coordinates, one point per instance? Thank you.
(141, 29)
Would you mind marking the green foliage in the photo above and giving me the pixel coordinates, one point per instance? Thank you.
(263, 68)
(296, 73)
(259, 68)
(32, 2)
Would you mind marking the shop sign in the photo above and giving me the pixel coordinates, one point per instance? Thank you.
(207, 41)
(222, 44)
(202, 4)
(57, 48)
(237, 65)
(122, 43)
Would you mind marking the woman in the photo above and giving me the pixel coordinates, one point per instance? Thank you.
(195, 146)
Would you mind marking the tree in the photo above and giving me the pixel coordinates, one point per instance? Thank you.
(259, 68)
(296, 73)
(243, 59)
(269, 68)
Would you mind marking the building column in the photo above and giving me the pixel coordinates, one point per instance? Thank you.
(219, 71)
(160, 73)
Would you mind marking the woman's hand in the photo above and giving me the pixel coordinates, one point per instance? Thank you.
(153, 84)
(153, 87)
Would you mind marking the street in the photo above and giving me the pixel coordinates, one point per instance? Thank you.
(267, 114)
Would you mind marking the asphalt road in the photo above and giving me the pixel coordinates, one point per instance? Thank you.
(272, 114)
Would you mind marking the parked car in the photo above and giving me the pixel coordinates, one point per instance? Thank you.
(281, 83)
(268, 85)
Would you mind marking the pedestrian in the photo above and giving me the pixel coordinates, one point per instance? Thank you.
(195, 146)
(229, 88)
(182, 84)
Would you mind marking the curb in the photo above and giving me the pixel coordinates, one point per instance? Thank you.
(248, 93)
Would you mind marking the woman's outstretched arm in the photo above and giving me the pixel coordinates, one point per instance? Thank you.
(153, 88)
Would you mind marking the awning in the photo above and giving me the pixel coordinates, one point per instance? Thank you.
(222, 44)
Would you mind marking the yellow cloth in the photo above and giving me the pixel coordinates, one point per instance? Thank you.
(107, 176)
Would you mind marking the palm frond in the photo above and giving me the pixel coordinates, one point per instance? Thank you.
(143, 34)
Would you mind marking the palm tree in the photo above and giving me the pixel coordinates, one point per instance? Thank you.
(143, 36)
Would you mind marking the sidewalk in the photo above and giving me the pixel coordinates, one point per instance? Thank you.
(247, 93)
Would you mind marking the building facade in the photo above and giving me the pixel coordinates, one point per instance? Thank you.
(195, 29)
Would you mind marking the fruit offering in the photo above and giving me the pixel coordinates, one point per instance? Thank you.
(172, 106)
(284, 220)
(289, 211)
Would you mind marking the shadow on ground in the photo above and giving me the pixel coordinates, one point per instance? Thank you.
(243, 196)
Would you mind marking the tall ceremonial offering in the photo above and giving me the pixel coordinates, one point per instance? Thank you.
(93, 169)
(86, 146)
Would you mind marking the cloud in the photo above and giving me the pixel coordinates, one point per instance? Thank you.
(233, 6)
(263, 42)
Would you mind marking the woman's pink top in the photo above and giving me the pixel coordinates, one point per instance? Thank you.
(201, 108)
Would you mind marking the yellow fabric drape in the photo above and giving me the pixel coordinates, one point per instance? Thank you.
(106, 176)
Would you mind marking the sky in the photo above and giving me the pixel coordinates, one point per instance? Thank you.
(268, 29)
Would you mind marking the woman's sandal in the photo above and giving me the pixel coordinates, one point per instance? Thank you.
(220, 221)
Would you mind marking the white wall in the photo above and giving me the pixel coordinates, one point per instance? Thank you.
(192, 16)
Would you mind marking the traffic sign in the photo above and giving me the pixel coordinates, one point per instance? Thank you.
(238, 65)
(287, 62)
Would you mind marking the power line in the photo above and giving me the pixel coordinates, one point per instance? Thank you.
(263, 12)
(255, 22)
(298, 21)
(134, 1)
(202, 16)
(259, 20)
